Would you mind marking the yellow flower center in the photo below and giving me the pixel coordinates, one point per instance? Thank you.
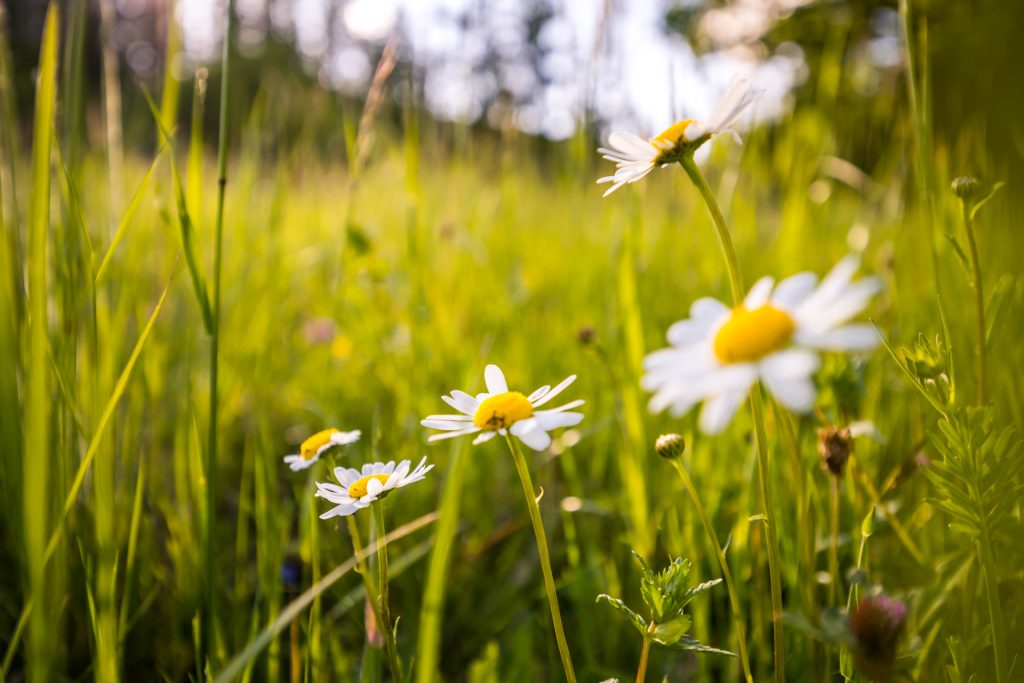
(751, 335)
(310, 446)
(501, 411)
(358, 489)
(674, 133)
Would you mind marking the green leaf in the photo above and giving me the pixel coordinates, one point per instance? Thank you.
(688, 645)
(984, 200)
(673, 630)
(638, 622)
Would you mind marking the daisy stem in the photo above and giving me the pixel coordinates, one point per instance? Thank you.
(734, 601)
(385, 609)
(833, 546)
(979, 300)
(542, 551)
(721, 229)
(756, 409)
(361, 568)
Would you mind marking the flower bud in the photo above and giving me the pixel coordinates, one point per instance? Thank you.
(670, 446)
(876, 623)
(834, 446)
(966, 187)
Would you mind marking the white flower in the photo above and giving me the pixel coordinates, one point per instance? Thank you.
(718, 353)
(311, 448)
(361, 488)
(635, 157)
(500, 411)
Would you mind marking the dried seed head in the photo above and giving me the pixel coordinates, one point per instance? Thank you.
(586, 335)
(670, 446)
(835, 445)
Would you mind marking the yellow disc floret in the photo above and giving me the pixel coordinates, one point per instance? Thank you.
(751, 335)
(311, 446)
(358, 489)
(501, 411)
(674, 133)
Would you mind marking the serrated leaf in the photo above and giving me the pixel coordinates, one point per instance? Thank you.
(638, 622)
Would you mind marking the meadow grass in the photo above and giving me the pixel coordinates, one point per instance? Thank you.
(151, 529)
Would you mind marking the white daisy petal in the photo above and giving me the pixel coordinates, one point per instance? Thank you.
(538, 393)
(452, 435)
(568, 406)
(759, 293)
(484, 436)
(435, 423)
(494, 378)
(794, 289)
(530, 433)
(549, 421)
(345, 438)
(559, 388)
(462, 402)
(859, 337)
(719, 410)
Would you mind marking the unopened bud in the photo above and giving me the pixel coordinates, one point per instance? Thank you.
(834, 447)
(670, 446)
(966, 187)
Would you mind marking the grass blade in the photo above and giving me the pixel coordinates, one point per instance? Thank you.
(37, 453)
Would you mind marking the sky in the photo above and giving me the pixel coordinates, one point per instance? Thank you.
(638, 78)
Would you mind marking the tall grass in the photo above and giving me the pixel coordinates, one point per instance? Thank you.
(151, 529)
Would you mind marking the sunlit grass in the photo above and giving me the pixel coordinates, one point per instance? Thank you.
(358, 303)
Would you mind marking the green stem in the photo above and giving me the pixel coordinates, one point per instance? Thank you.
(995, 609)
(542, 551)
(384, 602)
(734, 601)
(757, 411)
(732, 263)
(211, 449)
(833, 546)
(641, 670)
(979, 302)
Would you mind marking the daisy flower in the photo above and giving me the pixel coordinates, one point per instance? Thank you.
(361, 488)
(311, 448)
(500, 411)
(775, 336)
(635, 157)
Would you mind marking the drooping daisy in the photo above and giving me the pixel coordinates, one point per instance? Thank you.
(635, 157)
(361, 488)
(775, 336)
(311, 448)
(500, 411)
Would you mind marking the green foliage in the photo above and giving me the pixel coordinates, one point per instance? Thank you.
(666, 594)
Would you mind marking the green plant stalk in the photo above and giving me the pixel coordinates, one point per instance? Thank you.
(432, 606)
(209, 620)
(542, 552)
(368, 584)
(734, 600)
(979, 301)
(833, 545)
(757, 411)
(645, 650)
(995, 609)
(384, 605)
(37, 452)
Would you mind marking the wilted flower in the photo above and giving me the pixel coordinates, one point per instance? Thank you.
(835, 444)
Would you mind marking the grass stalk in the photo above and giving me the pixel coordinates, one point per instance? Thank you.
(209, 620)
(734, 600)
(37, 452)
(757, 412)
(383, 599)
(545, 558)
(645, 651)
